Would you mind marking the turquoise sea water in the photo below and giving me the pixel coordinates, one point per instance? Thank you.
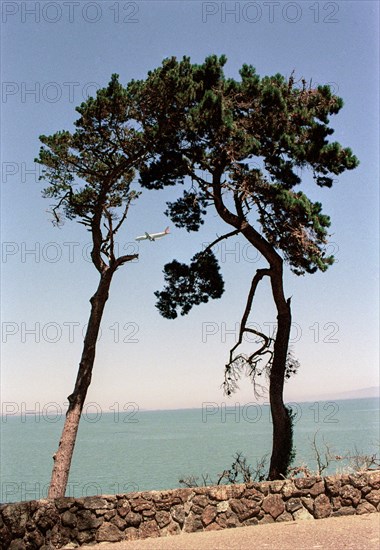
(127, 450)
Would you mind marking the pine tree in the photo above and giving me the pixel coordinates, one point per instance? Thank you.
(90, 173)
(244, 145)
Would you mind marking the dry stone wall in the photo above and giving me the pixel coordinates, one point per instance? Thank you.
(72, 522)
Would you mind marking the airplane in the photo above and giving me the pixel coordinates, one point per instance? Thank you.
(153, 236)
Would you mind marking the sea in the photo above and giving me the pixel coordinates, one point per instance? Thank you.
(128, 449)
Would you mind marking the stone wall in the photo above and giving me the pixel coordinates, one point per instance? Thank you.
(72, 522)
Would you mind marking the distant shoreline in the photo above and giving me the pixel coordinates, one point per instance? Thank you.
(227, 404)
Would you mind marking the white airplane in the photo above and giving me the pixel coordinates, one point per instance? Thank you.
(153, 236)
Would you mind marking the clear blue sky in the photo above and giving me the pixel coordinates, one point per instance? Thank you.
(53, 55)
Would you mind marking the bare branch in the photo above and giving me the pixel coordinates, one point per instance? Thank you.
(260, 273)
(124, 215)
(124, 259)
(226, 236)
(235, 364)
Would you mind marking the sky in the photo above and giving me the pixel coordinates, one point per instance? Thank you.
(56, 54)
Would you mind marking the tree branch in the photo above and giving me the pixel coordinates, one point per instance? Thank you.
(131, 196)
(124, 259)
(226, 236)
(260, 273)
(231, 374)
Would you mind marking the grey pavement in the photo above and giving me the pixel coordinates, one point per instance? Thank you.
(360, 532)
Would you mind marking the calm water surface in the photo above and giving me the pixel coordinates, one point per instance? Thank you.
(142, 450)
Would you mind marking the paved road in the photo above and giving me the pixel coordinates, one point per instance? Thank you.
(341, 533)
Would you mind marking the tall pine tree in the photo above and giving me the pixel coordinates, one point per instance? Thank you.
(89, 174)
(244, 144)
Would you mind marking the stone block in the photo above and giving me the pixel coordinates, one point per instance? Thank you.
(222, 519)
(219, 493)
(366, 489)
(350, 496)
(253, 494)
(373, 497)
(358, 481)
(308, 504)
(208, 515)
(244, 508)
(15, 517)
(85, 537)
(178, 514)
(276, 486)
(131, 533)
(163, 518)
(222, 506)
(374, 479)
(109, 514)
(197, 510)
(273, 505)
(64, 503)
(336, 503)
(132, 519)
(200, 500)
(317, 489)
(192, 523)
(288, 489)
(119, 522)
(365, 508)
(87, 520)
(262, 487)
(302, 514)
(68, 519)
(108, 532)
(233, 521)
(92, 503)
(124, 509)
(344, 511)
(46, 517)
(306, 482)
(171, 529)
(34, 539)
(333, 485)
(293, 504)
(322, 507)
(285, 516)
(140, 504)
(166, 502)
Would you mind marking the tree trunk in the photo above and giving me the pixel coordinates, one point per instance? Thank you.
(282, 424)
(62, 458)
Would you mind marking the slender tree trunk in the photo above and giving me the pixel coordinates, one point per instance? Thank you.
(62, 458)
(282, 445)
(282, 425)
